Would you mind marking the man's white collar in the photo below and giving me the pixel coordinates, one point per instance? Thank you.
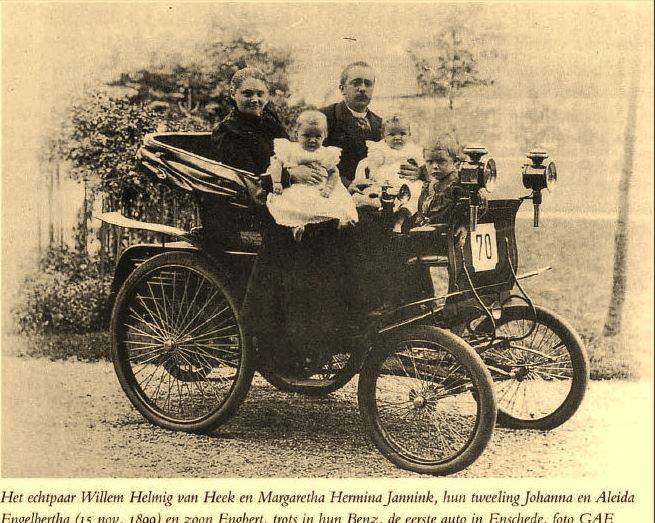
(356, 114)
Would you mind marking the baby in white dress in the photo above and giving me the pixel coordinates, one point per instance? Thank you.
(303, 204)
(382, 164)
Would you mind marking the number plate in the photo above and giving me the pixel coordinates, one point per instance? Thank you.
(484, 252)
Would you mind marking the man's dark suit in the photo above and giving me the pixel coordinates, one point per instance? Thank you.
(344, 132)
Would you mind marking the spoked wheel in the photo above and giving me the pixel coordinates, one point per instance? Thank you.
(177, 346)
(292, 375)
(427, 400)
(539, 367)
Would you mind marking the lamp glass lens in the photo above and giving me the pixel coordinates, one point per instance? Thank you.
(551, 176)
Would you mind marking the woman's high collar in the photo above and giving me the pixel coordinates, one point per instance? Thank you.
(268, 118)
(247, 118)
(242, 124)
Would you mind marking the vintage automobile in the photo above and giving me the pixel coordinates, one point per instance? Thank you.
(431, 373)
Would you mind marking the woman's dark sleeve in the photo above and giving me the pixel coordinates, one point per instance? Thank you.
(230, 151)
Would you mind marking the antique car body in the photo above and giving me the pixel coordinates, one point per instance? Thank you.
(460, 345)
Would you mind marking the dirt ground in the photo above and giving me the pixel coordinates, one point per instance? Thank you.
(71, 419)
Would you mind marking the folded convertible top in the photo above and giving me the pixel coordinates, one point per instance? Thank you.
(183, 160)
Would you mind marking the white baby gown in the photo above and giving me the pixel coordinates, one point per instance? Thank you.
(384, 163)
(302, 204)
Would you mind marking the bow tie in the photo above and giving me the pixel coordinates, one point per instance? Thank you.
(363, 123)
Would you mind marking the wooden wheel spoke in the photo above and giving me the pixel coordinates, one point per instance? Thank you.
(154, 314)
(191, 304)
(555, 375)
(158, 334)
(213, 334)
(181, 304)
(156, 351)
(183, 330)
(163, 299)
(215, 358)
(416, 372)
(163, 323)
(402, 365)
(143, 345)
(152, 356)
(447, 426)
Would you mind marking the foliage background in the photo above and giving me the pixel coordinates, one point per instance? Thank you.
(98, 136)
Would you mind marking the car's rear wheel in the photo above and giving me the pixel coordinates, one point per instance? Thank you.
(178, 349)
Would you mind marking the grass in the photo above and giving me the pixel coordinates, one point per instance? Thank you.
(93, 346)
(578, 289)
(579, 286)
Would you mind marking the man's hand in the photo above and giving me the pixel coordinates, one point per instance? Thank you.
(408, 171)
(307, 174)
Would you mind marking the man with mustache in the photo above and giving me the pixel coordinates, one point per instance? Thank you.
(375, 279)
(350, 122)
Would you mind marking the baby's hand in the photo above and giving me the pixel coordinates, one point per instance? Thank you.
(307, 175)
(326, 191)
(277, 188)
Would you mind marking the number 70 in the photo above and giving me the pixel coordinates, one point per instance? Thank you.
(484, 240)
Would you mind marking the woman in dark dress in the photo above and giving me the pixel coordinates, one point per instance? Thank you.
(296, 297)
(244, 138)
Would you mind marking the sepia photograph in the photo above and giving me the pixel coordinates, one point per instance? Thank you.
(327, 240)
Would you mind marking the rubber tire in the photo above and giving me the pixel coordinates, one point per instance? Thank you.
(245, 373)
(313, 387)
(579, 360)
(468, 358)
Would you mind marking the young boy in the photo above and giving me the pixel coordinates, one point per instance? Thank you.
(438, 199)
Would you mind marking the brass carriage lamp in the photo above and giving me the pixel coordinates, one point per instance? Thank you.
(537, 176)
(476, 174)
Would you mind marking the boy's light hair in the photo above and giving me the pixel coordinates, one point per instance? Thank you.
(448, 143)
(398, 119)
(312, 118)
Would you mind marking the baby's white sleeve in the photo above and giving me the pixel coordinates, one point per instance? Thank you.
(330, 156)
(283, 150)
(360, 172)
(375, 156)
(275, 169)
